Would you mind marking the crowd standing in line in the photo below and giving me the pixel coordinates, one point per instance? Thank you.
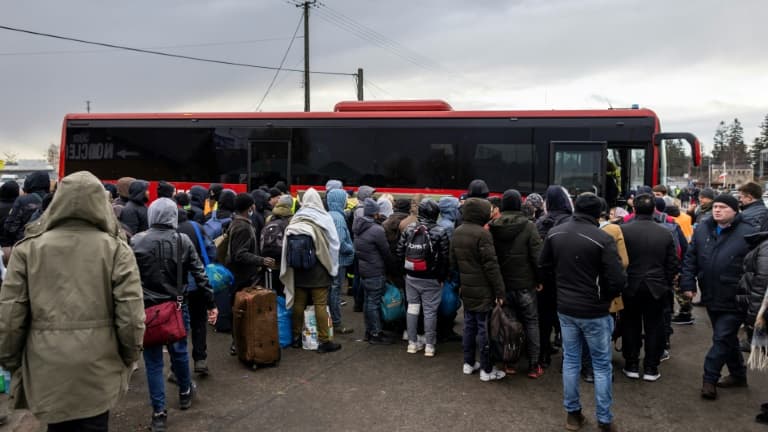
(561, 266)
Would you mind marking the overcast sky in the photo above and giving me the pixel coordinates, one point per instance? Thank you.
(694, 62)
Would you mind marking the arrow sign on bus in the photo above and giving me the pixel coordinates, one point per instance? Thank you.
(124, 154)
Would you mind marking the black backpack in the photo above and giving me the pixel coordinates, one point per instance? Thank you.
(272, 238)
(301, 251)
(419, 251)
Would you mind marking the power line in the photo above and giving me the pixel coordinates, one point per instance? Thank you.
(277, 72)
(373, 84)
(165, 54)
(208, 44)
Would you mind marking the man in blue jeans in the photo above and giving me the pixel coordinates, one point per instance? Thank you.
(714, 260)
(588, 276)
(373, 254)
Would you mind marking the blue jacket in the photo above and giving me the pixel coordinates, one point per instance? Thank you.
(715, 261)
(449, 214)
(337, 200)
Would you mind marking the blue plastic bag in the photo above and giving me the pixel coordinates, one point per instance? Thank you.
(450, 302)
(284, 323)
(219, 276)
(392, 305)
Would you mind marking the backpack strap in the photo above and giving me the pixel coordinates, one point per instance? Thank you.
(179, 265)
(203, 252)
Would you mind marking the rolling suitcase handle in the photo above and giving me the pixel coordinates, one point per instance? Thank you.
(269, 279)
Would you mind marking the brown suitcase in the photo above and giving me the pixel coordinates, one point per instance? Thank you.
(255, 326)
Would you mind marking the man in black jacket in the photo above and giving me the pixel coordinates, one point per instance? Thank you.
(36, 187)
(653, 265)
(714, 260)
(518, 247)
(423, 286)
(134, 214)
(753, 210)
(158, 257)
(588, 275)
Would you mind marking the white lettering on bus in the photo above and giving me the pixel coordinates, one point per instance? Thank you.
(92, 151)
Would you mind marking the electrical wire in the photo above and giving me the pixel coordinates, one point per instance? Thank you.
(373, 84)
(282, 62)
(165, 54)
(208, 44)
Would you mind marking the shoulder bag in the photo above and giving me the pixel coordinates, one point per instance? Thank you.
(164, 322)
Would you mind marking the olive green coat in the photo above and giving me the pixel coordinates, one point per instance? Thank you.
(71, 308)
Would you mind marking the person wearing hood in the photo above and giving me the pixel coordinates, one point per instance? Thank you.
(478, 189)
(472, 254)
(165, 189)
(212, 202)
(112, 189)
(518, 246)
(329, 186)
(303, 284)
(363, 192)
(558, 208)
(393, 228)
(159, 252)
(449, 214)
(134, 214)
(337, 201)
(9, 191)
(579, 255)
(197, 196)
(373, 255)
(385, 206)
(36, 187)
(123, 191)
(71, 311)
(424, 248)
(272, 237)
(262, 210)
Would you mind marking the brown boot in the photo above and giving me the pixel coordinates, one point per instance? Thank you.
(575, 420)
(732, 382)
(708, 391)
(607, 427)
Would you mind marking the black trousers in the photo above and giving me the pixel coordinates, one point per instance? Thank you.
(198, 320)
(644, 313)
(99, 423)
(547, 307)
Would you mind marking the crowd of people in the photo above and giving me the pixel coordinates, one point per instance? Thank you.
(577, 274)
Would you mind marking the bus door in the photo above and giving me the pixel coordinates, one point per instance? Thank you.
(579, 166)
(269, 162)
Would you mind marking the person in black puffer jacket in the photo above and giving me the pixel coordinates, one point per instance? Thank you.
(559, 209)
(372, 252)
(158, 257)
(197, 195)
(134, 214)
(423, 289)
(9, 191)
(518, 247)
(36, 187)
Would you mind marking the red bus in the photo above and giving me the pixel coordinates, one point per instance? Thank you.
(401, 147)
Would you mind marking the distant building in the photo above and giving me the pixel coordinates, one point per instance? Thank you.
(18, 171)
(731, 178)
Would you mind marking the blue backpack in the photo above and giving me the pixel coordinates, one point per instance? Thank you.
(392, 306)
(214, 226)
(300, 251)
(220, 278)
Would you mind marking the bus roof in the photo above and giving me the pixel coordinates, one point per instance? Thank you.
(376, 109)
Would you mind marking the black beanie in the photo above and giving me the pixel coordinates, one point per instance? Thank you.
(165, 190)
(511, 200)
(274, 192)
(707, 193)
(477, 189)
(243, 202)
(673, 211)
(402, 205)
(281, 186)
(660, 204)
(728, 200)
(9, 191)
(588, 204)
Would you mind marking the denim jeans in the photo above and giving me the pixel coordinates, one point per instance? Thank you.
(153, 362)
(597, 332)
(334, 296)
(374, 289)
(476, 333)
(725, 346)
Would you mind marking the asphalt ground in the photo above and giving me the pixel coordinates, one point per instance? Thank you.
(382, 388)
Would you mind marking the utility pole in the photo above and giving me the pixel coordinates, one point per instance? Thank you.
(360, 84)
(88, 106)
(306, 6)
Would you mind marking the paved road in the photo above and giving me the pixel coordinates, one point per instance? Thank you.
(381, 388)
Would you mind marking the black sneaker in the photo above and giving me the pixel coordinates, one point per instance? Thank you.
(651, 374)
(631, 371)
(201, 367)
(588, 376)
(158, 421)
(379, 339)
(327, 347)
(185, 399)
(682, 319)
